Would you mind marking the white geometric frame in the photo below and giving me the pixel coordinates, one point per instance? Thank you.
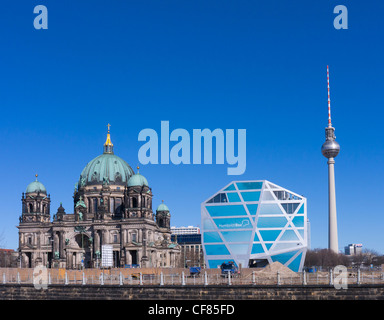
(270, 248)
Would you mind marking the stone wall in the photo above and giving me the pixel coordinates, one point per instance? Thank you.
(198, 292)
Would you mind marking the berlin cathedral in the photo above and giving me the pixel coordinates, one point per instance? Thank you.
(112, 206)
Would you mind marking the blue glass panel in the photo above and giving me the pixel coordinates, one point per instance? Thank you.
(237, 236)
(269, 235)
(251, 196)
(212, 237)
(230, 187)
(257, 248)
(301, 232)
(301, 210)
(283, 257)
(295, 264)
(256, 237)
(252, 208)
(282, 246)
(216, 249)
(233, 223)
(298, 221)
(290, 207)
(249, 185)
(268, 245)
(224, 211)
(267, 196)
(270, 208)
(233, 197)
(239, 248)
(271, 222)
(219, 198)
(289, 235)
(207, 224)
(217, 262)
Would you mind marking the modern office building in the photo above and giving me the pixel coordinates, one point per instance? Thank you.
(191, 250)
(353, 249)
(185, 230)
(189, 238)
(254, 223)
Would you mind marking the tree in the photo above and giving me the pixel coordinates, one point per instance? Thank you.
(325, 258)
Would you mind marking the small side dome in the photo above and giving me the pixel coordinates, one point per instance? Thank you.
(162, 207)
(137, 180)
(35, 187)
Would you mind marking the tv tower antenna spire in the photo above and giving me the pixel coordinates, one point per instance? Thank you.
(329, 100)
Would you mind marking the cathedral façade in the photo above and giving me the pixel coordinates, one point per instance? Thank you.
(112, 205)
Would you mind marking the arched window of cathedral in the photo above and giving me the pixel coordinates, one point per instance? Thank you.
(134, 202)
(118, 205)
(30, 208)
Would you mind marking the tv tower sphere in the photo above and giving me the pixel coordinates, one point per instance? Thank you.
(330, 148)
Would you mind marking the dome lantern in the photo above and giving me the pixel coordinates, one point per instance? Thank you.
(108, 145)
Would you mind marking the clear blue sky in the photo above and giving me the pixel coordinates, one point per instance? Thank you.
(255, 65)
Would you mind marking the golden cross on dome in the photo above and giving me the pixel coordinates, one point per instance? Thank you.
(108, 125)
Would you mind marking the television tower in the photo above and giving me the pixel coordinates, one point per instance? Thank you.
(330, 150)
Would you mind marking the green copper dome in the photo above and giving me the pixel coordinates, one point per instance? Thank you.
(162, 207)
(106, 169)
(35, 187)
(137, 180)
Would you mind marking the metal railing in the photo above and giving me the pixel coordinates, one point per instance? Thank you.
(206, 277)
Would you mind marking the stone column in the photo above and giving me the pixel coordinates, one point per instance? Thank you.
(128, 257)
(96, 240)
(55, 243)
(62, 244)
(105, 237)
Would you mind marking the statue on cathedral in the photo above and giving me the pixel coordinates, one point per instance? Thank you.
(105, 181)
